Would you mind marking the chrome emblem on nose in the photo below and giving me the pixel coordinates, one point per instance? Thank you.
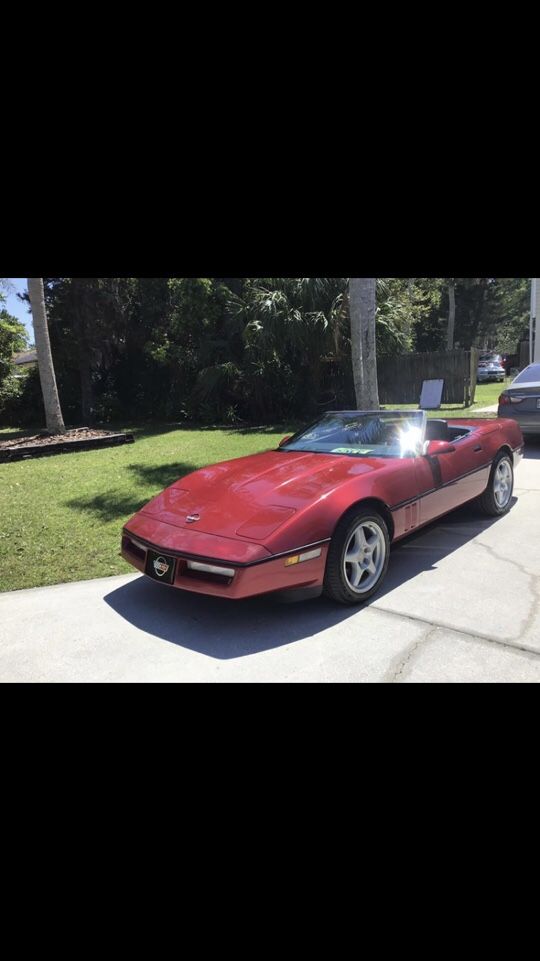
(160, 566)
(191, 518)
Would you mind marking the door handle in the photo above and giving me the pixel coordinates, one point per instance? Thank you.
(478, 448)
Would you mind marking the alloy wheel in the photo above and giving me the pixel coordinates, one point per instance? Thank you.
(502, 483)
(364, 557)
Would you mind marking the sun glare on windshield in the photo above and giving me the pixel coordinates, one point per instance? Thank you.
(410, 439)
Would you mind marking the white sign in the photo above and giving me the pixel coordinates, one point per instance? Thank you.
(431, 396)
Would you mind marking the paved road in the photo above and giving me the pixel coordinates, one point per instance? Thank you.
(461, 603)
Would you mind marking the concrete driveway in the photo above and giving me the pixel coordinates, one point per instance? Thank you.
(461, 603)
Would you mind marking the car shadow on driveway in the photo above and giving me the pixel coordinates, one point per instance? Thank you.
(230, 629)
(219, 628)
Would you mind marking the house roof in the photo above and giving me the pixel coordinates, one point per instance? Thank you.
(25, 357)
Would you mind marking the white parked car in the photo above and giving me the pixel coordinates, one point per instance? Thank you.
(490, 367)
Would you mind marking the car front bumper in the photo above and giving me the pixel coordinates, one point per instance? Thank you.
(262, 576)
(485, 376)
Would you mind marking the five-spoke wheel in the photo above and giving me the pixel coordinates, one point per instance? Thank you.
(497, 497)
(364, 556)
(358, 557)
(503, 482)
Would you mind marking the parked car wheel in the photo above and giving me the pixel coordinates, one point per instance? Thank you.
(496, 498)
(358, 557)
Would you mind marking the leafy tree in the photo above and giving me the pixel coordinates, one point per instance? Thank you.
(13, 338)
(289, 325)
(489, 312)
(87, 332)
(402, 307)
(254, 350)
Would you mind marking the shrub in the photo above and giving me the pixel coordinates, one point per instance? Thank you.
(21, 401)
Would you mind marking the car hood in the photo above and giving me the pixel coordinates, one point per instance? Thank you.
(252, 497)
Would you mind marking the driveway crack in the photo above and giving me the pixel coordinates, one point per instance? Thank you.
(534, 583)
(395, 673)
(473, 635)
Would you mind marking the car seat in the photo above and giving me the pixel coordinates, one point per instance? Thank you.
(437, 430)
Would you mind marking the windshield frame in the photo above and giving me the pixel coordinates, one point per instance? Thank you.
(355, 413)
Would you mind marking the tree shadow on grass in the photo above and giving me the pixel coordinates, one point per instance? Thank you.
(108, 507)
(113, 505)
(267, 429)
(161, 475)
(241, 429)
(142, 430)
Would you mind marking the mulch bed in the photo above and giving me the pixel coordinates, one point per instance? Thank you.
(43, 445)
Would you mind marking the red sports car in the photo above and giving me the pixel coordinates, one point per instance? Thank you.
(321, 511)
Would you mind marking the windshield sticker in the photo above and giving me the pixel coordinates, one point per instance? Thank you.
(352, 450)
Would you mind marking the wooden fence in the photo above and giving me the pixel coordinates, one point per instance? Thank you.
(401, 377)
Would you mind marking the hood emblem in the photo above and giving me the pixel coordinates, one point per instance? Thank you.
(191, 518)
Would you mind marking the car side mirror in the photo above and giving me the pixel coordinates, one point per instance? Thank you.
(434, 448)
(284, 440)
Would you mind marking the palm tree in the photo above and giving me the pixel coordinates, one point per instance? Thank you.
(363, 305)
(53, 412)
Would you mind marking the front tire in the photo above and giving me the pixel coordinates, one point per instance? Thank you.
(358, 557)
(495, 501)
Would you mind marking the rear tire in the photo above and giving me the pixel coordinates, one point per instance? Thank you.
(495, 501)
(358, 557)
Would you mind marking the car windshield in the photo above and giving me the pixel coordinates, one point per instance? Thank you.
(363, 434)
(531, 375)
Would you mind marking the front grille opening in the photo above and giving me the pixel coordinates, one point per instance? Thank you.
(209, 577)
(131, 548)
(206, 576)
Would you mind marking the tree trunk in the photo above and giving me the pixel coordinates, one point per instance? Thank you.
(362, 293)
(53, 412)
(451, 315)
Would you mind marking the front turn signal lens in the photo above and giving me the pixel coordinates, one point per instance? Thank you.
(300, 558)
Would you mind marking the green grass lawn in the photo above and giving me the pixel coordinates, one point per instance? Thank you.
(61, 516)
(487, 394)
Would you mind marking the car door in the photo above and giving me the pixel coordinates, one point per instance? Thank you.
(445, 481)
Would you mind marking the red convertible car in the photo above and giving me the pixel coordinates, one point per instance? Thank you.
(321, 511)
